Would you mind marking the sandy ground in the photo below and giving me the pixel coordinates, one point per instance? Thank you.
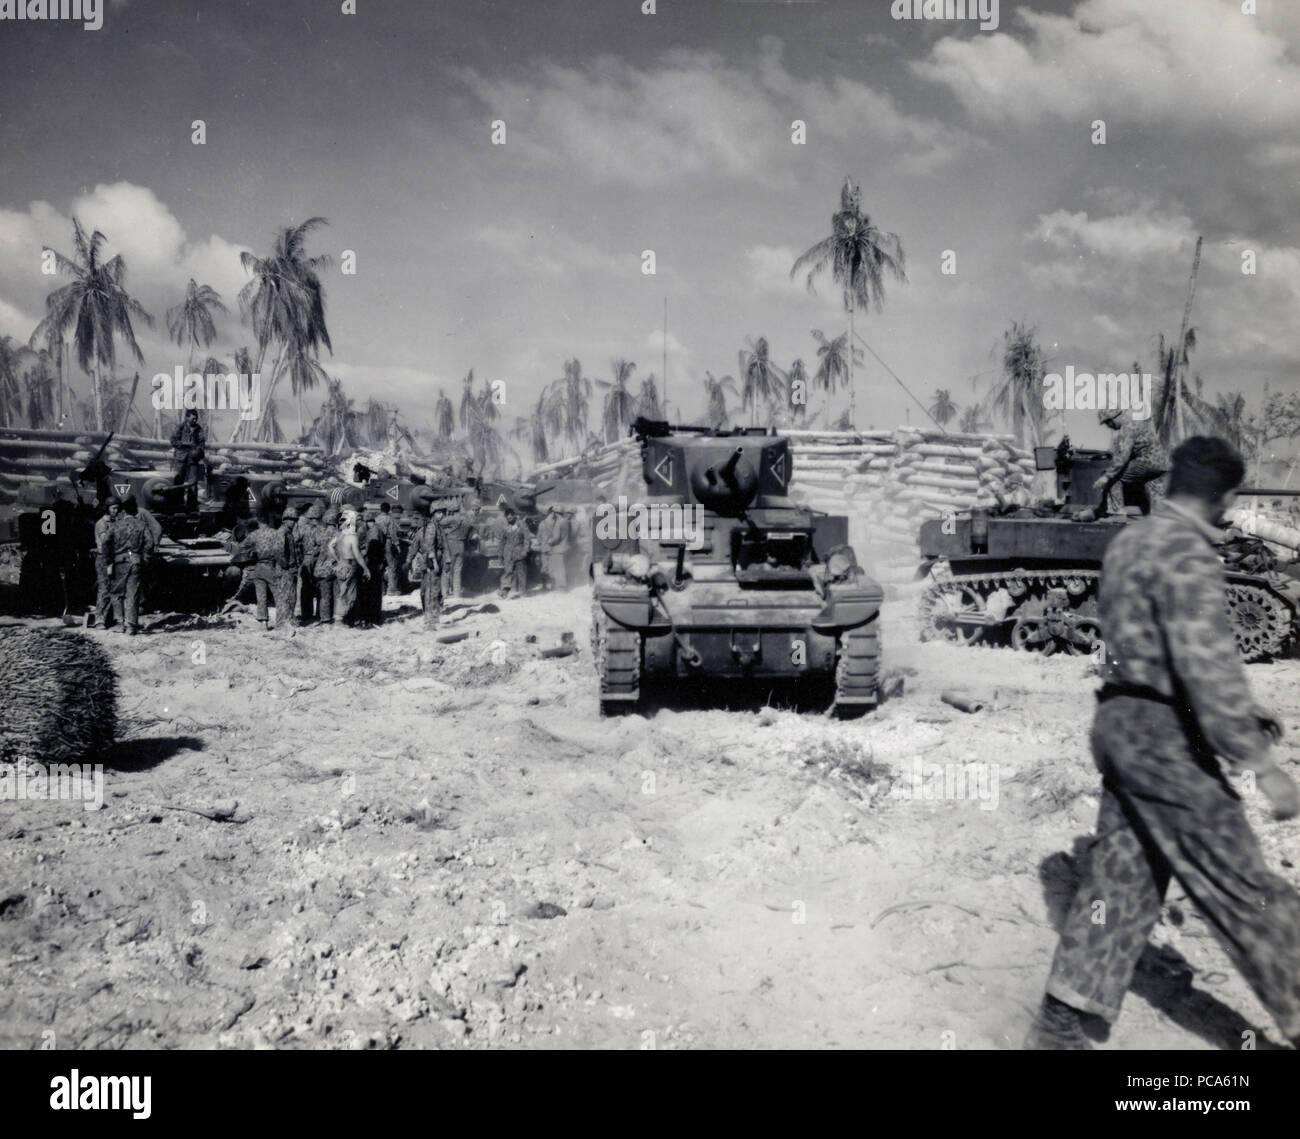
(443, 845)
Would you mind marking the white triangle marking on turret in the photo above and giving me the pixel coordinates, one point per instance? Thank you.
(122, 488)
(778, 468)
(666, 461)
(392, 492)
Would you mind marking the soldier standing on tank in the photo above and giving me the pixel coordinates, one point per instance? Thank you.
(553, 541)
(514, 557)
(188, 456)
(125, 544)
(427, 556)
(1139, 462)
(1175, 706)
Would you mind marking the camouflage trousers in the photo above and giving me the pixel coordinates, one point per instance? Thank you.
(431, 596)
(1145, 486)
(325, 596)
(281, 586)
(1167, 811)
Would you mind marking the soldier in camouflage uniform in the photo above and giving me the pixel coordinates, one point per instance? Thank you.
(264, 551)
(427, 554)
(323, 564)
(103, 561)
(457, 530)
(1174, 707)
(1139, 462)
(124, 550)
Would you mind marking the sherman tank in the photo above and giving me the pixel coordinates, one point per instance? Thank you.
(1028, 577)
(715, 572)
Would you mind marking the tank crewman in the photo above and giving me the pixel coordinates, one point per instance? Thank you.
(514, 557)
(188, 455)
(1174, 707)
(553, 541)
(125, 544)
(1139, 462)
(427, 556)
(263, 551)
(457, 529)
(104, 561)
(323, 563)
(306, 535)
(349, 568)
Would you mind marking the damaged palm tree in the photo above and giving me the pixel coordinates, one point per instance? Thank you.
(61, 696)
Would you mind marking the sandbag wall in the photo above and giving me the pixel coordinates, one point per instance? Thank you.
(31, 456)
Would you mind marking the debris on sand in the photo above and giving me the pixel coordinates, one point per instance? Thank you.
(962, 702)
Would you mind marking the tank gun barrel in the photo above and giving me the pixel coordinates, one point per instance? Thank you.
(726, 472)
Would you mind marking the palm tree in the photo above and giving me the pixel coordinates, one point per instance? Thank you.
(715, 392)
(833, 366)
(569, 403)
(1017, 394)
(9, 386)
(972, 420)
(95, 307)
(335, 428)
(942, 409)
(192, 319)
(858, 256)
(285, 301)
(484, 439)
(466, 399)
(620, 404)
(798, 375)
(648, 403)
(444, 416)
(759, 376)
(39, 380)
(1171, 363)
(376, 423)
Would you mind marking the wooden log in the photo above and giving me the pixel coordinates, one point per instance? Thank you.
(939, 467)
(971, 485)
(949, 451)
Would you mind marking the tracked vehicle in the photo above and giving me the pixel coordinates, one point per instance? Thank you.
(1029, 577)
(714, 572)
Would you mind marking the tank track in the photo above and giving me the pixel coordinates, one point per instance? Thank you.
(617, 653)
(1049, 610)
(1261, 622)
(857, 671)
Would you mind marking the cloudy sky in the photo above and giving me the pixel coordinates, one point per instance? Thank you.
(671, 132)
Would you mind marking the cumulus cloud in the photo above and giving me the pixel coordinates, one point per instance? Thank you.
(554, 253)
(697, 114)
(1173, 64)
(769, 269)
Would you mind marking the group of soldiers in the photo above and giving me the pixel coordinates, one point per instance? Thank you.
(334, 565)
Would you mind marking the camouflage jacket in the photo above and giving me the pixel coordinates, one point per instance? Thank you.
(188, 439)
(1138, 453)
(1165, 623)
(153, 528)
(265, 547)
(430, 544)
(322, 561)
(127, 539)
(456, 531)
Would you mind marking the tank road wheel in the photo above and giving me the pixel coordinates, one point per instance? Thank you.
(1260, 622)
(857, 669)
(941, 610)
(1083, 637)
(1029, 634)
(617, 652)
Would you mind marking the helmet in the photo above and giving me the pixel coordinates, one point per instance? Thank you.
(1109, 415)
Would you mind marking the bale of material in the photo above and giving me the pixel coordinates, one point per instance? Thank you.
(61, 696)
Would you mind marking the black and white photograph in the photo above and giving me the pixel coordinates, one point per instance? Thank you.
(659, 525)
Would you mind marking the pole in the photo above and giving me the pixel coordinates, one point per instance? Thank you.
(665, 361)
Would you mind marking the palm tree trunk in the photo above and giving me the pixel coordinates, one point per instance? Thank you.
(853, 391)
(257, 368)
(97, 389)
(300, 427)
